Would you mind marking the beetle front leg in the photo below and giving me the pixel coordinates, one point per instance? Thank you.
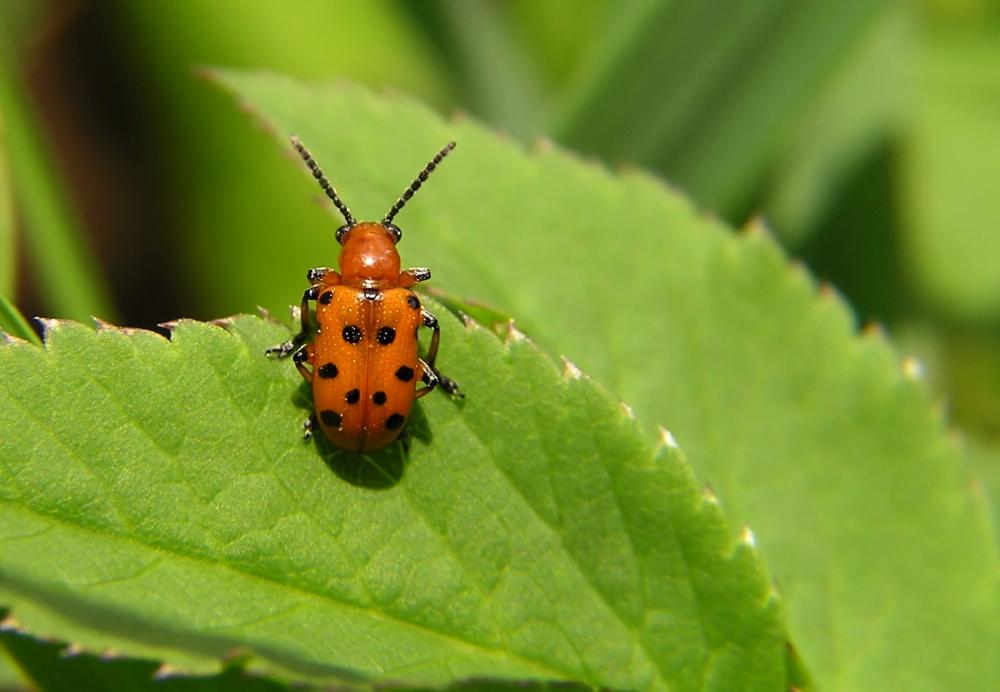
(432, 376)
(287, 348)
(413, 276)
(323, 275)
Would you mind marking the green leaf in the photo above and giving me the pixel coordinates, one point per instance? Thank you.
(952, 154)
(705, 91)
(855, 107)
(812, 435)
(156, 498)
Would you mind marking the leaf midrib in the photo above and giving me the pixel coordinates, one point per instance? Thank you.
(298, 590)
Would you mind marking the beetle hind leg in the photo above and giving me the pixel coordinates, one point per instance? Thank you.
(309, 426)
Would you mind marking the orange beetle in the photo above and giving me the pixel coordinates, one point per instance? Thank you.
(362, 360)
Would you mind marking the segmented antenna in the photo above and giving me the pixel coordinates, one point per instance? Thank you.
(321, 179)
(418, 181)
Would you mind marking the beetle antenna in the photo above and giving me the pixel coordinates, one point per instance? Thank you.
(417, 182)
(321, 179)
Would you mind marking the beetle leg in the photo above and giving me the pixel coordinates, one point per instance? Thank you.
(287, 348)
(429, 378)
(323, 275)
(305, 354)
(432, 376)
(309, 426)
(413, 276)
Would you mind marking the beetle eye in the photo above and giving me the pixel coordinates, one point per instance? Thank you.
(394, 232)
(341, 232)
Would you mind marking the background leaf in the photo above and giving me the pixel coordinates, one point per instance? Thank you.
(166, 507)
(953, 156)
(811, 435)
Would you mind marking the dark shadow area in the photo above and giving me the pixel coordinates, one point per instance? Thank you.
(855, 246)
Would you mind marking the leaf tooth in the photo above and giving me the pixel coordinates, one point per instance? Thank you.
(543, 145)
(666, 438)
(708, 493)
(747, 537)
(773, 592)
(874, 331)
(103, 326)
(10, 624)
(912, 368)
(627, 410)
(756, 227)
(110, 654)
(224, 322)
(50, 325)
(169, 325)
(165, 670)
(571, 371)
(827, 291)
(514, 335)
(71, 650)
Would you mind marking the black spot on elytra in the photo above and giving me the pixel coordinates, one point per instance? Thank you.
(379, 398)
(352, 333)
(326, 297)
(330, 418)
(405, 373)
(395, 421)
(386, 335)
(353, 396)
(328, 371)
(413, 301)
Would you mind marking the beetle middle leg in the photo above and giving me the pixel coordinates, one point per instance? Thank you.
(432, 376)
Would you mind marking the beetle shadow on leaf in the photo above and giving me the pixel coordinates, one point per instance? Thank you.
(379, 470)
